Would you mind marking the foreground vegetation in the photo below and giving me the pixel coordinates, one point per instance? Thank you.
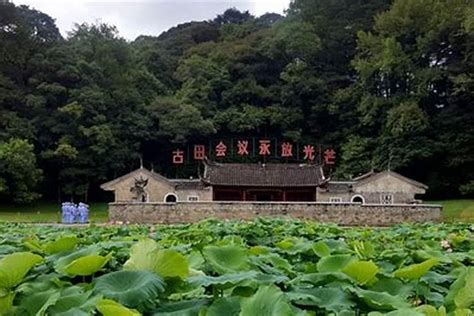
(265, 267)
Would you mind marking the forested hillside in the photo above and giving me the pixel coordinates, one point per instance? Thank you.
(387, 83)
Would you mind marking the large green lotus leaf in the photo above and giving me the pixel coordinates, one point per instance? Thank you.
(393, 286)
(43, 282)
(363, 249)
(15, 266)
(303, 298)
(462, 312)
(426, 254)
(333, 299)
(461, 292)
(64, 243)
(433, 278)
(229, 306)
(38, 303)
(259, 250)
(142, 255)
(361, 271)
(33, 244)
(145, 255)
(293, 245)
(6, 300)
(183, 308)
(415, 271)
(277, 261)
(77, 311)
(338, 246)
(62, 260)
(170, 263)
(267, 301)
(134, 289)
(226, 259)
(111, 308)
(85, 308)
(429, 310)
(404, 312)
(230, 279)
(87, 265)
(195, 260)
(381, 300)
(286, 243)
(71, 298)
(321, 249)
(321, 278)
(333, 263)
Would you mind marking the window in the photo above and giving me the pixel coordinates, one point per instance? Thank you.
(335, 199)
(386, 198)
(358, 199)
(171, 198)
(193, 198)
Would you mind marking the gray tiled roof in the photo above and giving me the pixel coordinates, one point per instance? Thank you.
(270, 175)
(187, 184)
(339, 186)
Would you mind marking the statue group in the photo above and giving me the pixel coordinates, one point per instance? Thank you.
(72, 213)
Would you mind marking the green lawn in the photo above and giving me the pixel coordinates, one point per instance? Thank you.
(47, 212)
(457, 210)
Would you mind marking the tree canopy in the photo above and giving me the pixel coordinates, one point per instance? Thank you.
(388, 83)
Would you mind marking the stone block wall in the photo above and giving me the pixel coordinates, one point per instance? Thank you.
(341, 213)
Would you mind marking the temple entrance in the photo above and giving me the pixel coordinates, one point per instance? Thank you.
(264, 197)
(264, 194)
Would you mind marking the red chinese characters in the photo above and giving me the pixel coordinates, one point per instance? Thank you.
(221, 149)
(264, 147)
(242, 147)
(199, 152)
(308, 151)
(286, 150)
(178, 157)
(254, 148)
(329, 156)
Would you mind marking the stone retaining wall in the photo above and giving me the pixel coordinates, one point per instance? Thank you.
(340, 213)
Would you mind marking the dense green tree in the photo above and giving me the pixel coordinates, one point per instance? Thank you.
(233, 16)
(388, 83)
(19, 173)
(415, 68)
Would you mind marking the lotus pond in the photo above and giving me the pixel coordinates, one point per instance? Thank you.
(264, 267)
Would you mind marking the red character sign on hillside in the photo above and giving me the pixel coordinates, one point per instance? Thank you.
(221, 149)
(199, 152)
(264, 147)
(286, 150)
(242, 147)
(178, 157)
(329, 156)
(308, 151)
(256, 148)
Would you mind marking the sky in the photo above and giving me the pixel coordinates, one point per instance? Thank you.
(144, 17)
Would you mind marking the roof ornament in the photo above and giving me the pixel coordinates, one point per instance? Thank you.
(389, 159)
